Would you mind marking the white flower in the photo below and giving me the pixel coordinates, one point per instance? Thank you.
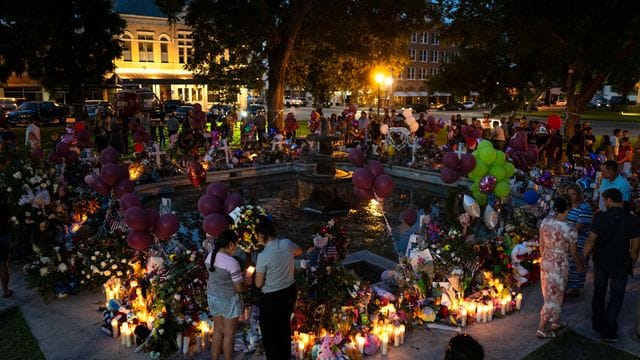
(108, 256)
(177, 297)
(17, 175)
(45, 260)
(97, 253)
(124, 261)
(188, 252)
(93, 258)
(88, 276)
(161, 331)
(56, 248)
(107, 273)
(44, 271)
(13, 218)
(9, 189)
(114, 266)
(94, 269)
(63, 267)
(103, 265)
(119, 273)
(27, 214)
(43, 185)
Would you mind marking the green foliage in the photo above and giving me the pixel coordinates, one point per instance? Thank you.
(69, 44)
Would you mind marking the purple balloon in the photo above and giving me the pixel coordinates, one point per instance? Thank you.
(383, 185)
(451, 160)
(232, 201)
(110, 174)
(62, 148)
(210, 204)
(409, 217)
(362, 178)
(449, 175)
(487, 184)
(375, 167)
(128, 200)
(139, 240)
(357, 157)
(109, 155)
(123, 187)
(100, 187)
(167, 225)
(214, 224)
(136, 218)
(467, 163)
(219, 189)
(362, 194)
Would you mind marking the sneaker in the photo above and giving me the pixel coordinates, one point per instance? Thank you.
(610, 339)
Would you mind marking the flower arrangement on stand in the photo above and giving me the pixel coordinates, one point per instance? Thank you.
(245, 221)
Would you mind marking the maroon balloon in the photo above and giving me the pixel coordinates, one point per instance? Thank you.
(100, 186)
(62, 148)
(210, 204)
(449, 176)
(375, 167)
(357, 158)
(110, 174)
(109, 155)
(232, 201)
(139, 240)
(152, 218)
(409, 217)
(214, 224)
(55, 158)
(363, 178)
(383, 185)
(219, 189)
(532, 154)
(467, 163)
(167, 225)
(451, 160)
(519, 141)
(136, 218)
(129, 200)
(467, 131)
(71, 156)
(123, 187)
(362, 194)
(487, 184)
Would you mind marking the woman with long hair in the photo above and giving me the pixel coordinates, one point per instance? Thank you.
(557, 239)
(223, 293)
(275, 276)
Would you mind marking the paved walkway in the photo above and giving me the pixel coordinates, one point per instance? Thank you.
(69, 328)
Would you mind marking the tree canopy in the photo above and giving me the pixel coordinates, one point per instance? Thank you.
(236, 42)
(510, 50)
(67, 44)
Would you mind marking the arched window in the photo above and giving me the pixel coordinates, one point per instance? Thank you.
(126, 47)
(145, 47)
(164, 48)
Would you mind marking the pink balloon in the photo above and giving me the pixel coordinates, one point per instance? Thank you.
(449, 175)
(167, 225)
(375, 167)
(110, 174)
(100, 187)
(62, 148)
(210, 204)
(124, 186)
(232, 201)
(363, 178)
(139, 240)
(129, 200)
(362, 194)
(357, 157)
(383, 185)
(136, 218)
(451, 160)
(89, 179)
(152, 218)
(467, 163)
(109, 155)
(214, 224)
(409, 217)
(219, 189)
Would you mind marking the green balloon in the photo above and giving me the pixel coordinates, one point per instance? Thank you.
(480, 198)
(488, 155)
(476, 154)
(501, 158)
(484, 144)
(475, 187)
(502, 189)
(498, 171)
(479, 171)
(509, 169)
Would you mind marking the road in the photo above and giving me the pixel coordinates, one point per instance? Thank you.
(599, 127)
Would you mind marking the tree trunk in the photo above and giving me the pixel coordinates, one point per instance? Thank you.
(577, 103)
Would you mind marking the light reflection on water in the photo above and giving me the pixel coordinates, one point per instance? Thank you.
(364, 222)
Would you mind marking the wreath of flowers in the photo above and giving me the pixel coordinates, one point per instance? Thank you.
(398, 137)
(190, 139)
(245, 222)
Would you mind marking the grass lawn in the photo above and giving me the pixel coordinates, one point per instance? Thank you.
(590, 115)
(570, 345)
(16, 341)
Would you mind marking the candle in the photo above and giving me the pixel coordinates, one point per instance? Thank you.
(508, 303)
(205, 334)
(199, 346)
(396, 336)
(323, 332)
(503, 306)
(250, 271)
(360, 341)
(519, 301)
(472, 309)
(479, 309)
(123, 336)
(385, 343)
(491, 309)
(114, 327)
(150, 320)
(300, 350)
(485, 313)
(127, 336)
(179, 341)
(463, 316)
(402, 331)
(185, 344)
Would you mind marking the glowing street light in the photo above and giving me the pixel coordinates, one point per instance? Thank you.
(380, 79)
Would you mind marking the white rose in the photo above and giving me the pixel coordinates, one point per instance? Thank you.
(119, 273)
(44, 271)
(13, 218)
(17, 175)
(63, 267)
(88, 276)
(114, 266)
(93, 258)
(27, 213)
(97, 253)
(161, 331)
(9, 189)
(177, 297)
(45, 260)
(103, 264)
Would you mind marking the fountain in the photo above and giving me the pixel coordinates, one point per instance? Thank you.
(325, 189)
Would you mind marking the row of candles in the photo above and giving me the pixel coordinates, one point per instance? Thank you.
(483, 312)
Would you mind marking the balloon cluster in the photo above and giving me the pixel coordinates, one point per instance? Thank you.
(522, 154)
(145, 223)
(369, 181)
(140, 138)
(410, 120)
(433, 126)
(113, 176)
(471, 134)
(455, 166)
(62, 153)
(491, 173)
(215, 205)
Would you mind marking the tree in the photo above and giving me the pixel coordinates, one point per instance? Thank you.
(576, 43)
(68, 45)
(235, 42)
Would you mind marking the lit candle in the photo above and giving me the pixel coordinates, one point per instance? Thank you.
(128, 334)
(179, 341)
(385, 343)
(300, 350)
(472, 309)
(403, 329)
(479, 309)
(205, 334)
(518, 301)
(503, 306)
(463, 316)
(114, 327)
(490, 309)
(323, 332)
(360, 341)
(250, 271)
(123, 333)
(185, 344)
(396, 336)
(485, 313)
(508, 303)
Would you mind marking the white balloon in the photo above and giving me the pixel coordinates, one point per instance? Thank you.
(414, 127)
(408, 116)
(471, 206)
(490, 217)
(384, 129)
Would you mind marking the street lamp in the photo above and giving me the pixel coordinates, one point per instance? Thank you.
(380, 79)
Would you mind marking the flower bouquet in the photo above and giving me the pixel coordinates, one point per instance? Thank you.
(245, 222)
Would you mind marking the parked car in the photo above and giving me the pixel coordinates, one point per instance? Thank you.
(218, 109)
(598, 102)
(418, 108)
(303, 101)
(94, 107)
(181, 112)
(41, 112)
(561, 102)
(452, 106)
(8, 104)
(172, 105)
(469, 105)
(291, 102)
(253, 110)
